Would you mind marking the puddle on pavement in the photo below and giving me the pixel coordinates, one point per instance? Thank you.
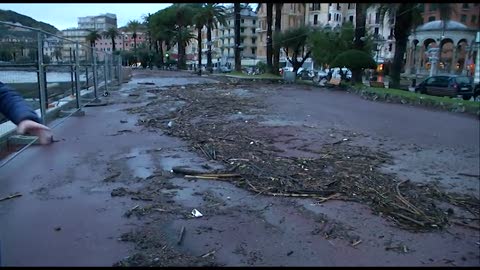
(240, 116)
(428, 166)
(280, 123)
(141, 164)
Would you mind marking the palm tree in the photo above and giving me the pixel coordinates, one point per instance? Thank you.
(238, 61)
(112, 33)
(162, 25)
(278, 26)
(184, 14)
(183, 37)
(360, 34)
(214, 14)
(406, 17)
(200, 21)
(134, 26)
(93, 36)
(269, 36)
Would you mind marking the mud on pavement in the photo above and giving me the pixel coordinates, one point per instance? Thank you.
(273, 192)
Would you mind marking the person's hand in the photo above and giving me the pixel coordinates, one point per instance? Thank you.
(29, 127)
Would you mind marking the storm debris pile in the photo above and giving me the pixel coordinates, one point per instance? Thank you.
(202, 115)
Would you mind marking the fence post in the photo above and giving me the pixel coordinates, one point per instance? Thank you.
(105, 73)
(120, 73)
(95, 75)
(41, 79)
(72, 72)
(112, 72)
(86, 75)
(77, 75)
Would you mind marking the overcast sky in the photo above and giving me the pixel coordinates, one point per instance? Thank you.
(64, 16)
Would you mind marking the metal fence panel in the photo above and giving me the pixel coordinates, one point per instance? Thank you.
(49, 70)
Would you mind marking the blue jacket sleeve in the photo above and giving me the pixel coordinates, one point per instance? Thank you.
(14, 107)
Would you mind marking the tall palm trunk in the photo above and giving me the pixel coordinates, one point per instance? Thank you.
(209, 45)
(360, 23)
(403, 20)
(181, 50)
(278, 26)
(160, 51)
(238, 61)
(199, 50)
(135, 47)
(113, 43)
(269, 36)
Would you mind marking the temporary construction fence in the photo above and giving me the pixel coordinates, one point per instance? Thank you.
(49, 70)
(54, 73)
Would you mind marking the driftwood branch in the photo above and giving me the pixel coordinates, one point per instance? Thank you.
(180, 236)
(11, 197)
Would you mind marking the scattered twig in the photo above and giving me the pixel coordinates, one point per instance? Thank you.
(341, 141)
(180, 236)
(220, 175)
(470, 175)
(356, 243)
(239, 159)
(108, 178)
(402, 199)
(322, 200)
(188, 171)
(209, 253)
(141, 199)
(201, 177)
(205, 153)
(409, 219)
(466, 225)
(11, 197)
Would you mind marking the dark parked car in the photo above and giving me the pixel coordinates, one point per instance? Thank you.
(447, 85)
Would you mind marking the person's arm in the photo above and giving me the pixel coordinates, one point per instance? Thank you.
(14, 107)
(17, 110)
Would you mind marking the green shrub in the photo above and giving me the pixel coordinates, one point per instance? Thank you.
(354, 60)
(262, 67)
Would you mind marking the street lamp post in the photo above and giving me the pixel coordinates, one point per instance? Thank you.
(468, 49)
(433, 58)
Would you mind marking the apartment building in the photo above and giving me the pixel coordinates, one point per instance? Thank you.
(52, 47)
(123, 42)
(215, 48)
(465, 13)
(331, 15)
(101, 22)
(381, 29)
(293, 15)
(76, 35)
(224, 42)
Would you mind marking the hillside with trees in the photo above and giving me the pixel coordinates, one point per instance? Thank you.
(14, 17)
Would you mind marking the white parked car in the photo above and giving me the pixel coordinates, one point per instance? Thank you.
(336, 72)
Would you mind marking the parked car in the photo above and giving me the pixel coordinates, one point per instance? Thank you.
(447, 85)
(336, 72)
(306, 74)
(282, 70)
(225, 69)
